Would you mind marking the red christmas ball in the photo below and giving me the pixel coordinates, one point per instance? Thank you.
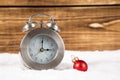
(80, 65)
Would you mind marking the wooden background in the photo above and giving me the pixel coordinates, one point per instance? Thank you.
(74, 18)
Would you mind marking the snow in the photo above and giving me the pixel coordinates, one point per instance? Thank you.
(102, 65)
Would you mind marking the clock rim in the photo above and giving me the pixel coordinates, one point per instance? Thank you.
(25, 42)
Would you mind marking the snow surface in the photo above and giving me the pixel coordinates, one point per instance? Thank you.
(102, 65)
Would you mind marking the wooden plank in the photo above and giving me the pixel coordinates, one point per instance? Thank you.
(56, 2)
(74, 23)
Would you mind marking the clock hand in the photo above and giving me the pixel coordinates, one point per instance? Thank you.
(37, 53)
(47, 49)
(42, 42)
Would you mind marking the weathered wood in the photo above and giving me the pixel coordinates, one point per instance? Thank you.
(55, 2)
(74, 23)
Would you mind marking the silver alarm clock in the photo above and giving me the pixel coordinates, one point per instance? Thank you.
(41, 48)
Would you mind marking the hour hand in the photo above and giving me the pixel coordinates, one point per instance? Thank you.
(48, 49)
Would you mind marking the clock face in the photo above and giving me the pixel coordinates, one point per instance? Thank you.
(42, 49)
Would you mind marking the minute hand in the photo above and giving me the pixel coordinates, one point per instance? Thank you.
(42, 42)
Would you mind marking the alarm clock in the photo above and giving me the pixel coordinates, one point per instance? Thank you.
(42, 47)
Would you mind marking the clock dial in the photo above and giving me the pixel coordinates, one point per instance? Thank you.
(42, 49)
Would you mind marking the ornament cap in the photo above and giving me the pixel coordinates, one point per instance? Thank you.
(74, 58)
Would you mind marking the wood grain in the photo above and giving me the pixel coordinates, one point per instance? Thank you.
(74, 23)
(56, 2)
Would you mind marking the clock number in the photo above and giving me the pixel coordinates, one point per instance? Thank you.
(33, 44)
(41, 60)
(47, 59)
(30, 51)
(53, 49)
(31, 54)
(47, 40)
(51, 44)
(35, 58)
(51, 55)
